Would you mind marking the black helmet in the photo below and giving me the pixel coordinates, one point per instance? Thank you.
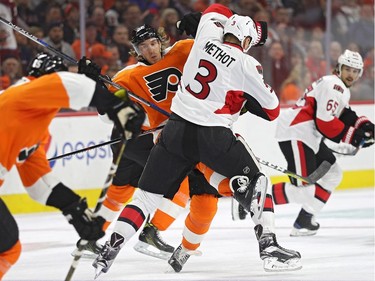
(143, 33)
(44, 63)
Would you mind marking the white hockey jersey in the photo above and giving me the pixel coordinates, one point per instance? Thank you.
(316, 114)
(218, 78)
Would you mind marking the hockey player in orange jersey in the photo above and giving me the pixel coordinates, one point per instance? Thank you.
(154, 78)
(26, 110)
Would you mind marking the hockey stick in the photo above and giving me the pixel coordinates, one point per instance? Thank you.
(68, 58)
(285, 171)
(101, 144)
(354, 151)
(108, 181)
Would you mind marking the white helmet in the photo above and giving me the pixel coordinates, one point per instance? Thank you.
(351, 59)
(242, 27)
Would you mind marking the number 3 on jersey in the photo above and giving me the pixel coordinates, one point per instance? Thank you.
(204, 80)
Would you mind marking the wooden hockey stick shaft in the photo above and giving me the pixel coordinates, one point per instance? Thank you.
(108, 181)
(284, 171)
(68, 58)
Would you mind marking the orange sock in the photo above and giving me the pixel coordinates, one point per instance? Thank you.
(9, 258)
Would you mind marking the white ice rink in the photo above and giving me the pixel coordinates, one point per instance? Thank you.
(343, 249)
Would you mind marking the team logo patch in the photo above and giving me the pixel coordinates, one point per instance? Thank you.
(162, 82)
(260, 69)
(338, 88)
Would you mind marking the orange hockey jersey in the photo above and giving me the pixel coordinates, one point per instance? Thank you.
(26, 111)
(156, 83)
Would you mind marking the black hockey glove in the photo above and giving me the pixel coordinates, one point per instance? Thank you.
(367, 126)
(85, 223)
(127, 116)
(89, 68)
(189, 23)
(355, 137)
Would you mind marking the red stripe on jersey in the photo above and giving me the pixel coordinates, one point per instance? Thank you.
(220, 9)
(272, 113)
(321, 194)
(302, 158)
(330, 129)
(132, 215)
(278, 192)
(306, 112)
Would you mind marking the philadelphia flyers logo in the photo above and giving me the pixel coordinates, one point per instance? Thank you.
(162, 82)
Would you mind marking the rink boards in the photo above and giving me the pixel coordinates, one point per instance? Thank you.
(86, 172)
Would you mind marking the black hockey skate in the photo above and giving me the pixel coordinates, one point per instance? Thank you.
(305, 225)
(238, 211)
(90, 250)
(180, 257)
(108, 254)
(276, 258)
(150, 243)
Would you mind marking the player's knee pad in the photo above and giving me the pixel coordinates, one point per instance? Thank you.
(332, 178)
(42, 188)
(243, 189)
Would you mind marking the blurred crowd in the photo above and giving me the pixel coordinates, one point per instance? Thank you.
(293, 57)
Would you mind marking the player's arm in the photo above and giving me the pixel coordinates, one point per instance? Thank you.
(331, 126)
(261, 99)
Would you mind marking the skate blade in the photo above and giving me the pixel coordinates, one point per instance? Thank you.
(273, 265)
(98, 270)
(151, 251)
(169, 269)
(302, 232)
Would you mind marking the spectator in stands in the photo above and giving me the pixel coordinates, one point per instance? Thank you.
(114, 61)
(169, 17)
(54, 13)
(335, 51)
(25, 13)
(315, 62)
(183, 7)
(277, 66)
(120, 38)
(113, 14)
(132, 16)
(12, 69)
(98, 17)
(55, 35)
(101, 56)
(91, 33)
(362, 31)
(25, 50)
(71, 23)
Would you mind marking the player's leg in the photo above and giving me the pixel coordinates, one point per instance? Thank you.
(150, 241)
(312, 197)
(163, 174)
(45, 188)
(10, 246)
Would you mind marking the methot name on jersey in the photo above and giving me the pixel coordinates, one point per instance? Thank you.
(218, 53)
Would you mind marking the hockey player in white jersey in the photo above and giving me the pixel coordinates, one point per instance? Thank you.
(219, 79)
(323, 112)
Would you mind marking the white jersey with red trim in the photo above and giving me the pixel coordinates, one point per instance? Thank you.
(219, 78)
(316, 114)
